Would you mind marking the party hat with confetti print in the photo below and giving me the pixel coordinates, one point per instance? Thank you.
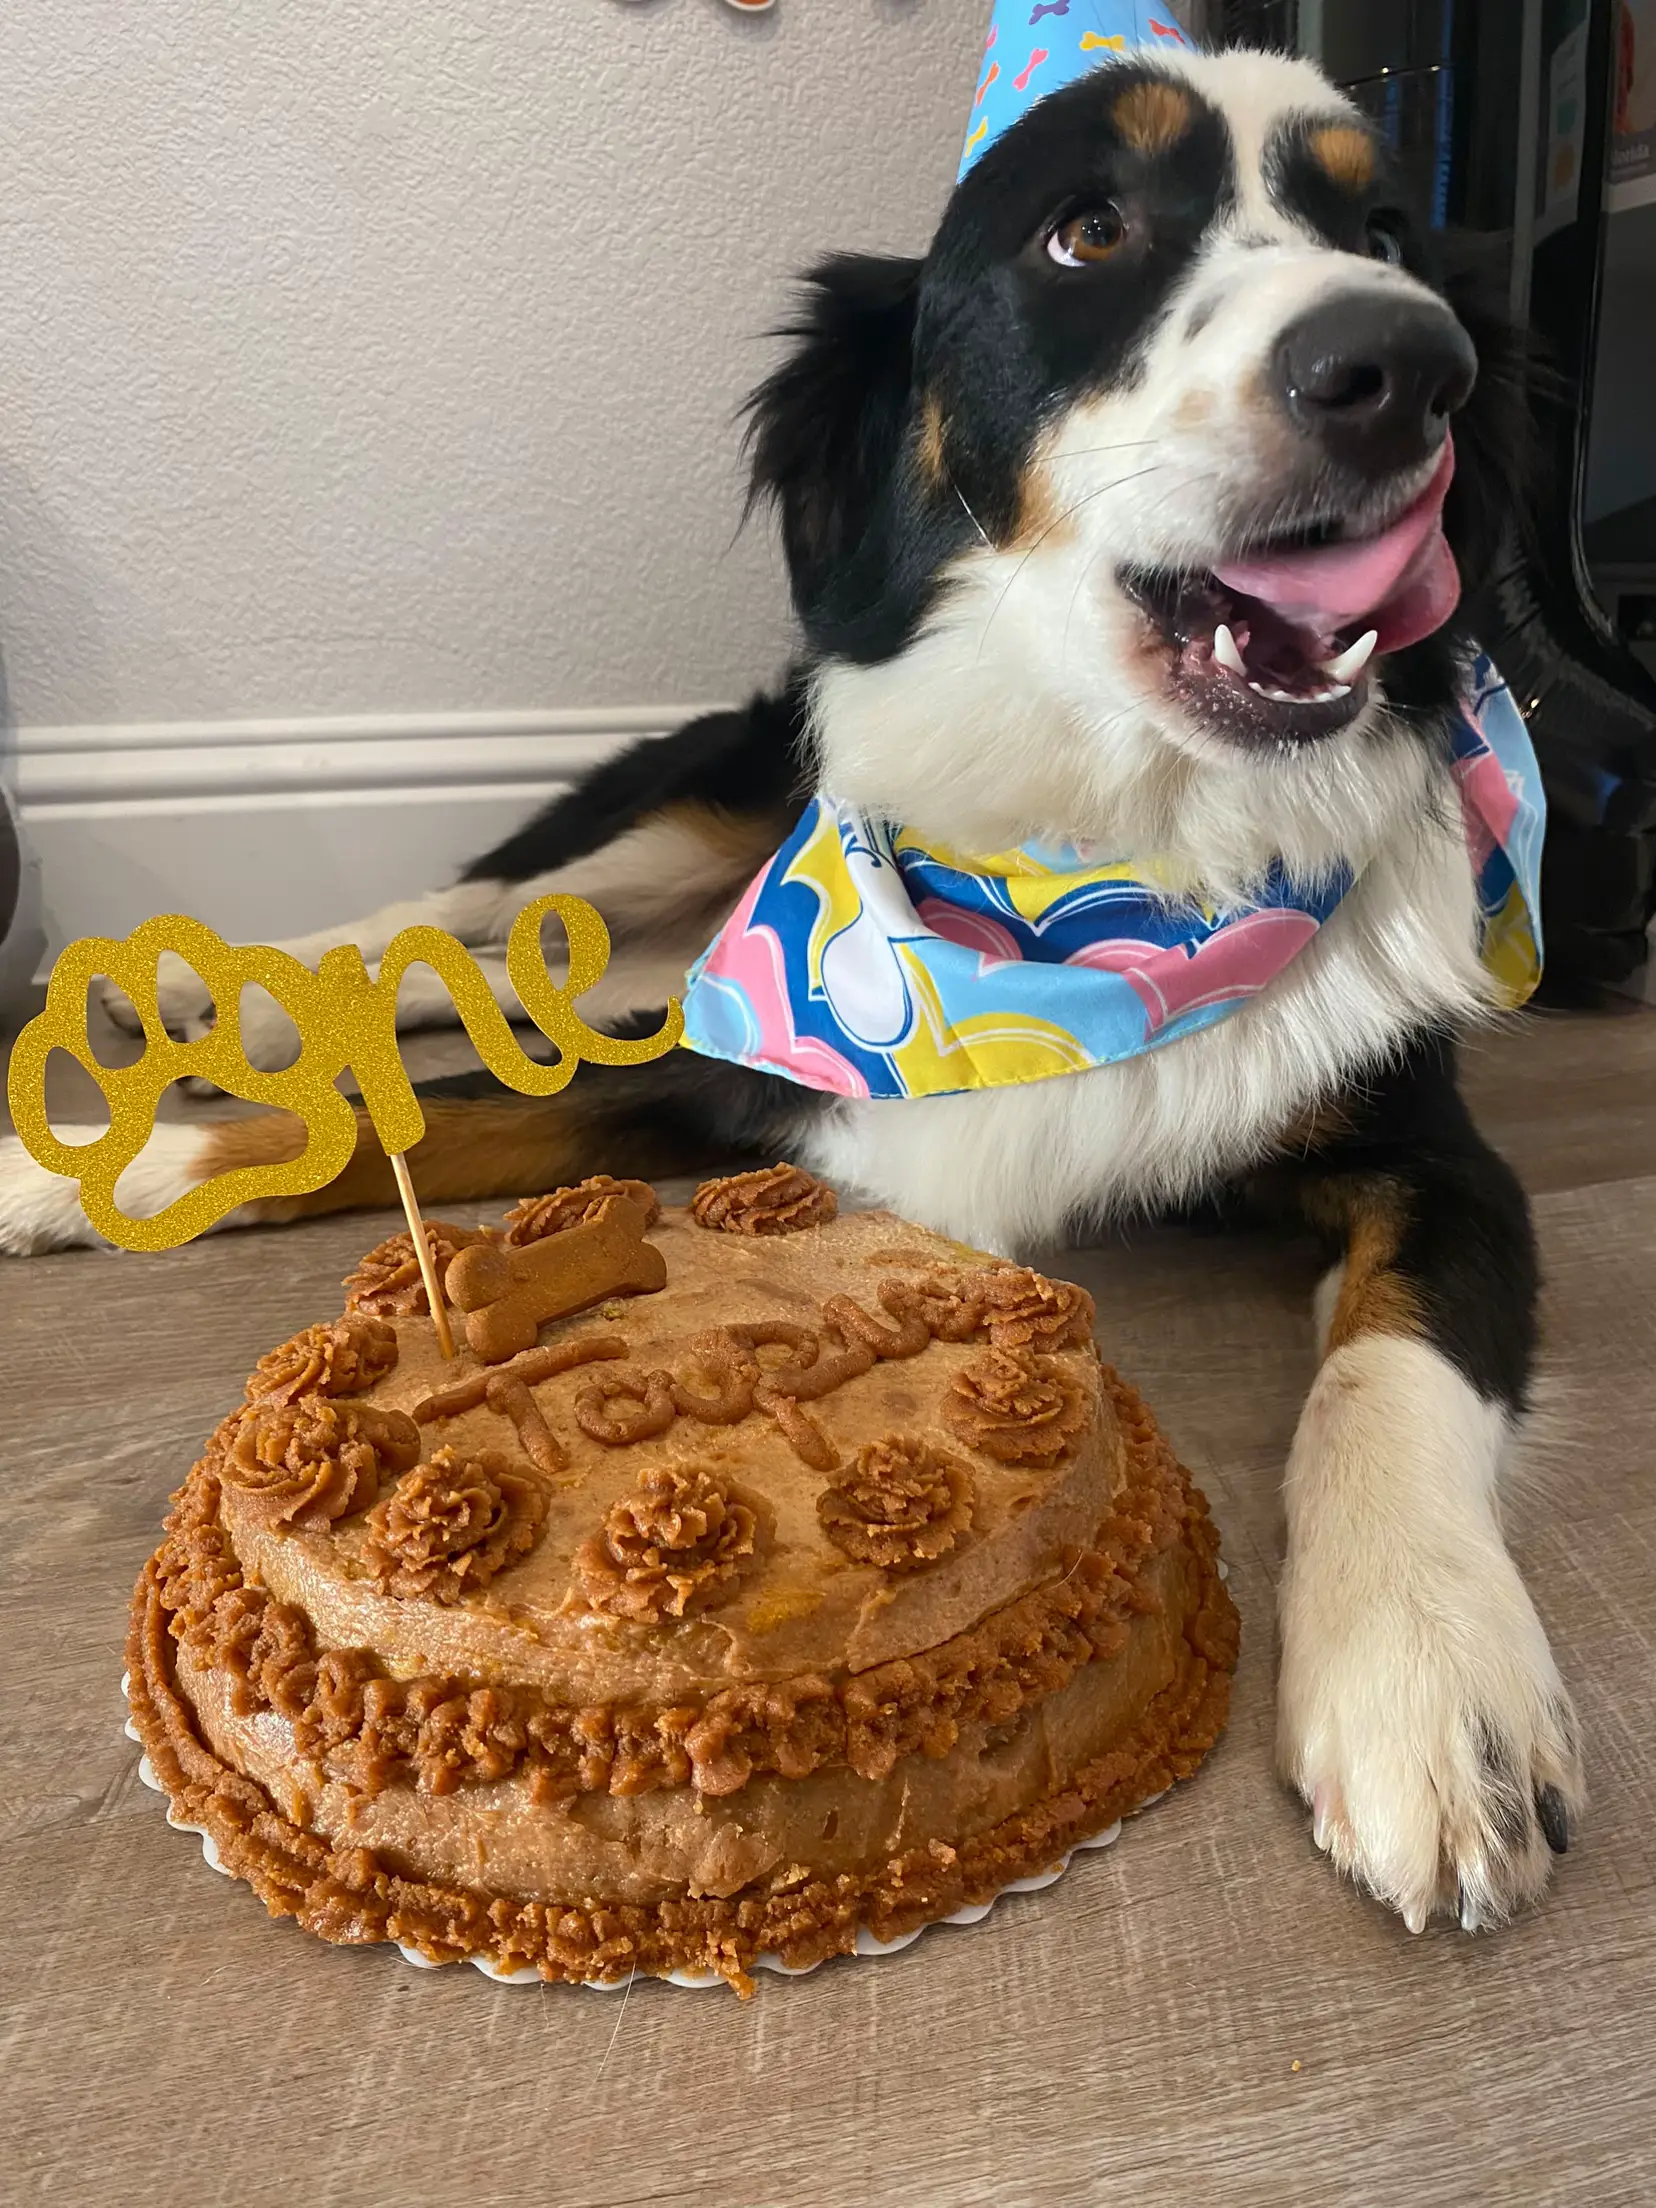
(1039, 46)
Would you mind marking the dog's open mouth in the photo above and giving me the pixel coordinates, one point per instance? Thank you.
(1277, 643)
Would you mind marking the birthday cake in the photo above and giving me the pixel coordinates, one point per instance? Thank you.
(753, 1577)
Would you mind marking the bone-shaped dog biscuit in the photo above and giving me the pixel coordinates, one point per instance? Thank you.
(509, 1294)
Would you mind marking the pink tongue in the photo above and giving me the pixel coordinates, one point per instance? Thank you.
(1403, 583)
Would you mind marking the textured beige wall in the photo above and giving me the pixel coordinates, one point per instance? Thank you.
(359, 356)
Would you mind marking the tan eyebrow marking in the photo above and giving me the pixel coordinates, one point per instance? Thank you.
(1345, 153)
(1152, 116)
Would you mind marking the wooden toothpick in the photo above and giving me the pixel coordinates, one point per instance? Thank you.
(422, 1250)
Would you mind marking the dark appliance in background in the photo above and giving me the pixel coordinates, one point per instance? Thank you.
(1531, 126)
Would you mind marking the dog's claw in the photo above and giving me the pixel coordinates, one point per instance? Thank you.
(1554, 1819)
(1322, 1818)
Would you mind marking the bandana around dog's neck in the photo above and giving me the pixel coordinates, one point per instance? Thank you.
(867, 961)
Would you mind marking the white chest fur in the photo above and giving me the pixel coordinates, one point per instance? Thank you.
(1004, 1168)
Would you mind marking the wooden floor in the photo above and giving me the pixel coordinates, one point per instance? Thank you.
(1200, 2014)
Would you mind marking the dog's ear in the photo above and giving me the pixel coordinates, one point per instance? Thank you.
(826, 429)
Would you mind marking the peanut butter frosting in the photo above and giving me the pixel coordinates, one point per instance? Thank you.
(306, 1462)
(388, 1281)
(537, 1216)
(342, 1358)
(675, 1544)
(449, 1525)
(839, 1548)
(777, 1199)
(903, 1505)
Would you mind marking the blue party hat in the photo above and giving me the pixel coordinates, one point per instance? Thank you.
(1039, 46)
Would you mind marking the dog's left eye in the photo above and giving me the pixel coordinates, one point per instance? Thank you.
(1383, 242)
(1082, 239)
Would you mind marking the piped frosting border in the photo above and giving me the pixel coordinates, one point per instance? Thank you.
(349, 1895)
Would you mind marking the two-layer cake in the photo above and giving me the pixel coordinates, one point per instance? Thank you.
(753, 1574)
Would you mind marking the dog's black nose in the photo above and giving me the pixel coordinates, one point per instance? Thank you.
(1374, 379)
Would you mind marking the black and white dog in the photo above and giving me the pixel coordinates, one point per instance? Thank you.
(1175, 317)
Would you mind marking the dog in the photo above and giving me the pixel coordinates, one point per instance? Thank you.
(1177, 319)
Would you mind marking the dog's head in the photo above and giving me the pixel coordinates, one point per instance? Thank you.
(1138, 509)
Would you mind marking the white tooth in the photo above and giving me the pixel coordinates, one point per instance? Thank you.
(1354, 658)
(1225, 651)
(1328, 696)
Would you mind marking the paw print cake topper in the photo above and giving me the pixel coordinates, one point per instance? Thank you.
(346, 1022)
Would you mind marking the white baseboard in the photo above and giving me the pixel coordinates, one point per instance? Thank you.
(272, 828)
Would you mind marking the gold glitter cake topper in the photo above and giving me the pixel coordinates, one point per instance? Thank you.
(345, 1021)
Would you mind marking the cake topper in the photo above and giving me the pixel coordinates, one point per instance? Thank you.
(346, 1021)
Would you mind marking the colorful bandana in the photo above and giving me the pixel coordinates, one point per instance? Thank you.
(866, 961)
(1039, 46)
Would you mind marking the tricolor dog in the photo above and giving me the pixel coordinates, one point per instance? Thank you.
(1126, 531)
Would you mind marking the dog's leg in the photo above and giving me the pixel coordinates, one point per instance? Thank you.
(646, 973)
(1421, 1714)
(678, 1114)
(661, 839)
(476, 913)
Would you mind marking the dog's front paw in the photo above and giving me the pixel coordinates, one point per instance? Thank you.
(269, 1039)
(1422, 1718)
(184, 1000)
(40, 1211)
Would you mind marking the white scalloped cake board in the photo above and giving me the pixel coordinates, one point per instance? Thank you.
(867, 1944)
